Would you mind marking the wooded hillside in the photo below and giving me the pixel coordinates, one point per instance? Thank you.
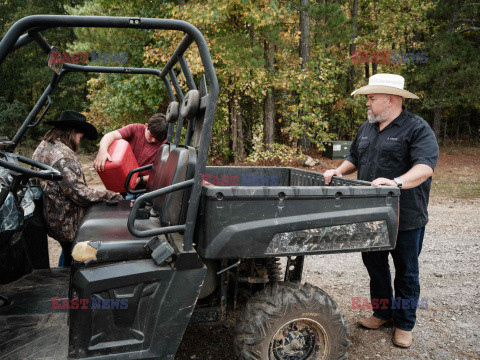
(286, 68)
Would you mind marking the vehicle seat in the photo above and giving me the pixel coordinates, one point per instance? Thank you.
(109, 223)
(102, 212)
(179, 167)
(158, 166)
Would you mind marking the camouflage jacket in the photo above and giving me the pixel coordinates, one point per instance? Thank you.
(65, 201)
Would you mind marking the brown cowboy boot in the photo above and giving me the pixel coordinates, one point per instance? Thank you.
(402, 338)
(371, 322)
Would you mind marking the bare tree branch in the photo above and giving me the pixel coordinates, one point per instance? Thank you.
(467, 21)
(473, 28)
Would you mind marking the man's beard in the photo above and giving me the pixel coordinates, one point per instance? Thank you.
(373, 119)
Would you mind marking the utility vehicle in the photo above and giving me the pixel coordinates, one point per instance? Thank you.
(199, 242)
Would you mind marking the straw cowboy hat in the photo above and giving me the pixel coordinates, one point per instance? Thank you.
(389, 84)
(73, 120)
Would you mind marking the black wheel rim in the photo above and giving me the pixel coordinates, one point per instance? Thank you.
(299, 339)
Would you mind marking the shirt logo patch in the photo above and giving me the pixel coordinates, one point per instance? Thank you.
(364, 137)
(393, 139)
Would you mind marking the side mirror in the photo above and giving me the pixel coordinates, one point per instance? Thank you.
(54, 60)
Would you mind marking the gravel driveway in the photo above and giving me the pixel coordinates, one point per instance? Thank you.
(449, 273)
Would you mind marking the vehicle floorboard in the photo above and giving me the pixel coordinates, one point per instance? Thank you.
(29, 327)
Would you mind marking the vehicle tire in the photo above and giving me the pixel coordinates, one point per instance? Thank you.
(291, 321)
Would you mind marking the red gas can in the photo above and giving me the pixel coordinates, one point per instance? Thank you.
(116, 171)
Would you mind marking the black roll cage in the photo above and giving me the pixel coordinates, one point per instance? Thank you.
(29, 29)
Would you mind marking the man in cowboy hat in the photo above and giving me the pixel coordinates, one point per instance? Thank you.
(394, 148)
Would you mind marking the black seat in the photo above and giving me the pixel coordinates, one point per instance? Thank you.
(109, 223)
(102, 212)
(157, 167)
(180, 166)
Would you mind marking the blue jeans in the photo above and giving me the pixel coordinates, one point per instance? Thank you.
(402, 309)
(66, 254)
(132, 196)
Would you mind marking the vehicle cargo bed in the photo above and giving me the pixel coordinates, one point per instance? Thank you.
(265, 211)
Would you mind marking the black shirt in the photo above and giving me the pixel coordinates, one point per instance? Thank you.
(405, 142)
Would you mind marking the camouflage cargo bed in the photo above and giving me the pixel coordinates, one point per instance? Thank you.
(285, 211)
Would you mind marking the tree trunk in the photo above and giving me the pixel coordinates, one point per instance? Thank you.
(351, 68)
(305, 56)
(353, 47)
(241, 146)
(236, 127)
(304, 33)
(445, 128)
(367, 70)
(457, 133)
(232, 114)
(374, 68)
(268, 118)
(318, 34)
(269, 101)
(437, 121)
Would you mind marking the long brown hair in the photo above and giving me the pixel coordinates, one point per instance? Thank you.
(64, 135)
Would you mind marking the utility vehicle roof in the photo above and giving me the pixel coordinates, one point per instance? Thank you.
(29, 29)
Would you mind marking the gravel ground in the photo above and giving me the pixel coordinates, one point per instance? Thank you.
(449, 274)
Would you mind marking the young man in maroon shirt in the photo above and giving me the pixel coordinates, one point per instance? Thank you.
(144, 139)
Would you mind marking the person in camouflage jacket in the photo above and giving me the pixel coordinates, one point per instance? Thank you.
(65, 201)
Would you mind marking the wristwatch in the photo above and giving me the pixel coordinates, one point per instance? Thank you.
(399, 182)
(141, 180)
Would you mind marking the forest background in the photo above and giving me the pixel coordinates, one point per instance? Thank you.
(285, 68)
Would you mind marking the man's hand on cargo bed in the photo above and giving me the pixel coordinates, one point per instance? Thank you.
(414, 177)
(329, 174)
(345, 169)
(384, 182)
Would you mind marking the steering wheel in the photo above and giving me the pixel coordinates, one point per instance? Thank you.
(46, 172)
